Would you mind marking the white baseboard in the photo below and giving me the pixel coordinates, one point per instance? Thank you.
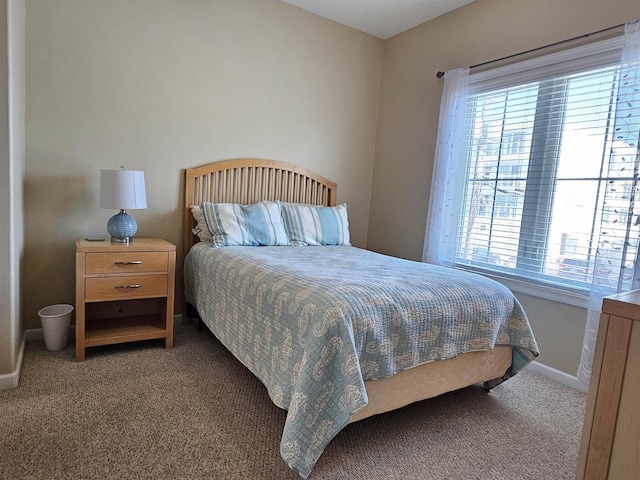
(558, 376)
(11, 380)
(35, 334)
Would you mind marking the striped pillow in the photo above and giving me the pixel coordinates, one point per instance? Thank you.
(312, 225)
(251, 225)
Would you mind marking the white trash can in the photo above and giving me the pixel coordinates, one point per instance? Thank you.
(55, 321)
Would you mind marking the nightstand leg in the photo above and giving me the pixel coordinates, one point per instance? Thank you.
(170, 301)
(168, 343)
(80, 306)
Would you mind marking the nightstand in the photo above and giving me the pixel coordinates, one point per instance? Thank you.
(124, 292)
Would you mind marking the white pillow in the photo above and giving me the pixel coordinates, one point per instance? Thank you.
(200, 229)
(315, 225)
(252, 225)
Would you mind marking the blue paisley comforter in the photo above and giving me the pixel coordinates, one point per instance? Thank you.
(314, 323)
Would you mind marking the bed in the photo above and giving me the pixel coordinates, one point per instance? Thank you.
(334, 332)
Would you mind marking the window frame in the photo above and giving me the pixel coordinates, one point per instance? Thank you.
(580, 59)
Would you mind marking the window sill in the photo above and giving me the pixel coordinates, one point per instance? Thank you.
(577, 297)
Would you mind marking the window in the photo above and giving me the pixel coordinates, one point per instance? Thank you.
(549, 173)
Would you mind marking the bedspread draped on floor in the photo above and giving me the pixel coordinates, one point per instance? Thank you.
(314, 323)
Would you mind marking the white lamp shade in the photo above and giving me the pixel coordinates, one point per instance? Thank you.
(122, 189)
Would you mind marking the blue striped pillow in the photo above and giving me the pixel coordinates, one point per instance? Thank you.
(312, 225)
(252, 225)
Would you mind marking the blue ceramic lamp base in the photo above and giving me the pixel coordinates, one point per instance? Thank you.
(122, 227)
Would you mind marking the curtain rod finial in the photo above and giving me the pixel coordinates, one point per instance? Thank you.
(439, 74)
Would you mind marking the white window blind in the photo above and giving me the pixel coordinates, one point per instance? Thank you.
(551, 172)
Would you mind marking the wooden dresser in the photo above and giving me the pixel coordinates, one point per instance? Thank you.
(124, 292)
(610, 447)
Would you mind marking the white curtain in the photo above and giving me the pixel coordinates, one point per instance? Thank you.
(618, 241)
(448, 170)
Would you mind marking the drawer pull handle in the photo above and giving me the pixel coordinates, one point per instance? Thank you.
(136, 285)
(133, 262)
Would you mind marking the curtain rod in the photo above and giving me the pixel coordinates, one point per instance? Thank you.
(440, 74)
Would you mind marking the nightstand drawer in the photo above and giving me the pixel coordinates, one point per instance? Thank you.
(116, 288)
(126, 262)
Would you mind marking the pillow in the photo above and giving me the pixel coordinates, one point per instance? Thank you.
(232, 224)
(201, 229)
(314, 225)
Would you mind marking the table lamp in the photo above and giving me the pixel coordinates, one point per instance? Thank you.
(122, 189)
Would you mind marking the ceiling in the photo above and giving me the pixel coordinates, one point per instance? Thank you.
(381, 18)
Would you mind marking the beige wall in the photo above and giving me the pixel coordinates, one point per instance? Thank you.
(162, 85)
(408, 122)
(11, 173)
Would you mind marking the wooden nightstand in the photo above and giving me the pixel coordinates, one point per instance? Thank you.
(124, 293)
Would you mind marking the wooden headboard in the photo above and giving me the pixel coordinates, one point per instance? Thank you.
(251, 180)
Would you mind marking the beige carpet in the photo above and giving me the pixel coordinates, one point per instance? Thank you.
(138, 411)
